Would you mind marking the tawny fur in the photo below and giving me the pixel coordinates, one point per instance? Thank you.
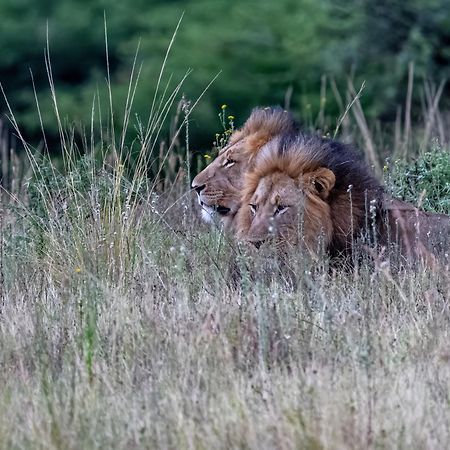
(343, 203)
(420, 235)
(263, 125)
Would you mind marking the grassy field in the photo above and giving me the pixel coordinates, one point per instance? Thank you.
(123, 323)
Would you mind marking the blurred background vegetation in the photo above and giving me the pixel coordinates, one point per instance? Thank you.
(268, 53)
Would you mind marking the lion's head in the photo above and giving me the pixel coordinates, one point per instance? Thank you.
(219, 185)
(291, 207)
(286, 197)
(307, 190)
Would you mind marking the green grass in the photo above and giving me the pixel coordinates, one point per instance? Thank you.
(425, 181)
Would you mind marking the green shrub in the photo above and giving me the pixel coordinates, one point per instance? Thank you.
(425, 181)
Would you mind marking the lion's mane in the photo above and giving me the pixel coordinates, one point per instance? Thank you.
(353, 204)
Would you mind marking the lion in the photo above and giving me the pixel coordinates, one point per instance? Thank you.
(310, 191)
(219, 185)
(320, 194)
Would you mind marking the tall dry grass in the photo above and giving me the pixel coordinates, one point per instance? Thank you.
(123, 323)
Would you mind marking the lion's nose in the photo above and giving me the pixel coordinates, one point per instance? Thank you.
(198, 187)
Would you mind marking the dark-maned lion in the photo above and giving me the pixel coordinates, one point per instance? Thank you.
(219, 185)
(310, 191)
(319, 193)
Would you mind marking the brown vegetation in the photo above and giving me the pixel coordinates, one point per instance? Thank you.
(418, 234)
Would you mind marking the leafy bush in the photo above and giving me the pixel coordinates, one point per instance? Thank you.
(425, 181)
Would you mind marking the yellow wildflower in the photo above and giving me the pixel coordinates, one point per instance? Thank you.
(224, 106)
(231, 117)
(207, 156)
(77, 269)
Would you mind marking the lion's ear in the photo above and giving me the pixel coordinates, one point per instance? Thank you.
(323, 181)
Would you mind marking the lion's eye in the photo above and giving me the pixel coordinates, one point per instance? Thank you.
(229, 162)
(280, 209)
(253, 208)
(318, 186)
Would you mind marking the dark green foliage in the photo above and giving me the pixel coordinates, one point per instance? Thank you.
(394, 33)
(269, 53)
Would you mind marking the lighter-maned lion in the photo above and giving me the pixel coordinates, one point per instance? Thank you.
(219, 185)
(310, 191)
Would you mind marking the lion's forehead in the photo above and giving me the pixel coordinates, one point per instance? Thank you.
(218, 166)
(236, 148)
(216, 169)
(275, 190)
